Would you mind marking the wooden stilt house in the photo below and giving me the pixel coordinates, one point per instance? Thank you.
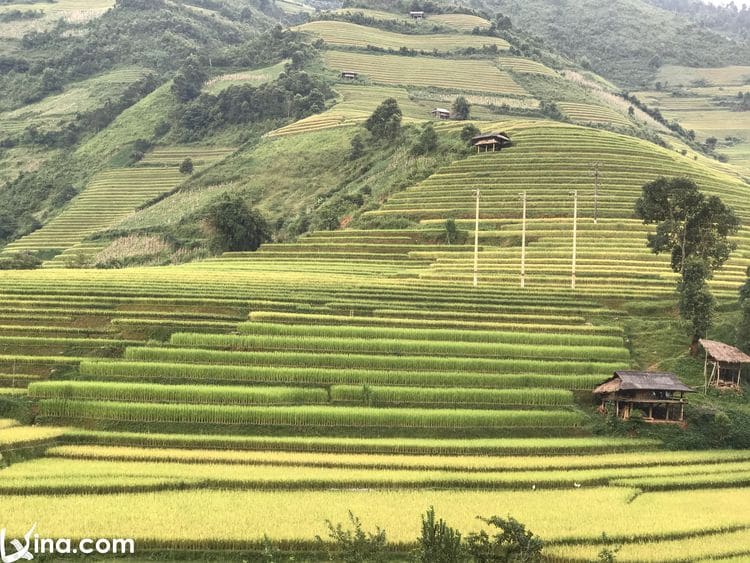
(726, 364)
(441, 113)
(659, 396)
(491, 142)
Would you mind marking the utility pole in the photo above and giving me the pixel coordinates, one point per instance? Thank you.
(575, 238)
(523, 243)
(476, 244)
(596, 165)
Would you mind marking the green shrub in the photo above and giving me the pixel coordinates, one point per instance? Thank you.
(439, 543)
(354, 545)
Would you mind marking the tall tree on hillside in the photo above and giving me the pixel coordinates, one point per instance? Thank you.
(695, 229)
(461, 109)
(189, 80)
(688, 223)
(385, 121)
(235, 226)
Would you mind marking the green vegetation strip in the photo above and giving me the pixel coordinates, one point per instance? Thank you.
(380, 362)
(437, 335)
(401, 347)
(197, 394)
(304, 416)
(205, 373)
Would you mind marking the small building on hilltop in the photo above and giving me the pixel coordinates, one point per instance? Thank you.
(349, 75)
(417, 15)
(726, 364)
(659, 396)
(491, 142)
(441, 113)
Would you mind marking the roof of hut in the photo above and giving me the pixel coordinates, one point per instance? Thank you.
(724, 352)
(642, 380)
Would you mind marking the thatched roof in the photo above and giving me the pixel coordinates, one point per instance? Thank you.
(642, 380)
(488, 138)
(724, 352)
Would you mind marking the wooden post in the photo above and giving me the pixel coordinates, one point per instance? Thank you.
(575, 238)
(705, 373)
(476, 245)
(523, 243)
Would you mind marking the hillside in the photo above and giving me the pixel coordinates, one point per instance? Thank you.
(626, 41)
(350, 364)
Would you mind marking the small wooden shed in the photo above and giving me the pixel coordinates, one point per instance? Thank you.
(491, 142)
(349, 75)
(441, 113)
(726, 364)
(416, 15)
(660, 396)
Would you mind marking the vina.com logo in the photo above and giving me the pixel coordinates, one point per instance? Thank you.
(32, 544)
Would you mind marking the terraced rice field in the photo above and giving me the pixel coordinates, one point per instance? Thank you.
(54, 112)
(461, 22)
(72, 11)
(586, 113)
(355, 104)
(112, 195)
(357, 369)
(252, 77)
(524, 66)
(344, 34)
(466, 75)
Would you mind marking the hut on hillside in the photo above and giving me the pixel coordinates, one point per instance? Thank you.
(659, 396)
(349, 75)
(441, 113)
(491, 142)
(726, 364)
(417, 15)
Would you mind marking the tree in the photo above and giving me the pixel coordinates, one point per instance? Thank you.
(357, 149)
(189, 80)
(236, 226)
(688, 223)
(439, 543)
(385, 121)
(743, 329)
(461, 109)
(514, 543)
(427, 142)
(696, 230)
(186, 166)
(469, 132)
(451, 231)
(696, 303)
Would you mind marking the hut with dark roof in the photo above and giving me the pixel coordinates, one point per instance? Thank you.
(659, 396)
(441, 113)
(491, 142)
(726, 364)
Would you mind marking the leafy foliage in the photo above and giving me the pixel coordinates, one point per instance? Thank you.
(189, 80)
(696, 303)
(427, 141)
(688, 222)
(461, 109)
(439, 543)
(236, 226)
(355, 545)
(514, 543)
(385, 121)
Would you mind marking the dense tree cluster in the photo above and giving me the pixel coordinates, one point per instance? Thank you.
(294, 95)
(235, 226)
